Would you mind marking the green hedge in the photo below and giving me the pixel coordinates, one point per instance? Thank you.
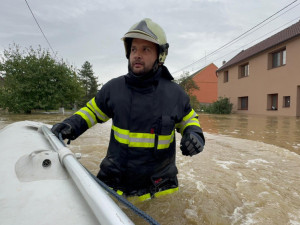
(221, 106)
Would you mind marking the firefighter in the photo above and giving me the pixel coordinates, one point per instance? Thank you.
(146, 109)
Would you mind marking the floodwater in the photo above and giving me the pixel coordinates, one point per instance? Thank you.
(248, 173)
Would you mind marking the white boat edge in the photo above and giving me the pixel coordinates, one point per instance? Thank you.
(37, 189)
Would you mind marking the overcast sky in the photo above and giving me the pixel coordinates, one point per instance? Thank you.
(91, 30)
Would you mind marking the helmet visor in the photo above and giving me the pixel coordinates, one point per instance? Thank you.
(140, 35)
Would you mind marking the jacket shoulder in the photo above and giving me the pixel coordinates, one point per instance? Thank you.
(115, 81)
(172, 86)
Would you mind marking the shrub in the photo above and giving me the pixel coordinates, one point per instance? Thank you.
(221, 106)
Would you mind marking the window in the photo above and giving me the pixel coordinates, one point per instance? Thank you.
(272, 102)
(243, 103)
(278, 58)
(225, 76)
(244, 70)
(286, 101)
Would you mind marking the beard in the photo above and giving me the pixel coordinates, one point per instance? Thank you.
(143, 71)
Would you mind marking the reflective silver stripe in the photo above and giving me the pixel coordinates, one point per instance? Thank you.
(142, 140)
(124, 136)
(165, 142)
(93, 122)
(183, 123)
(95, 110)
(131, 139)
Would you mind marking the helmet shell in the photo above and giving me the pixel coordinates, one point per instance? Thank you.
(150, 31)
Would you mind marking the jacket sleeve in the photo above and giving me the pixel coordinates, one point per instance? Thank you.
(95, 111)
(189, 122)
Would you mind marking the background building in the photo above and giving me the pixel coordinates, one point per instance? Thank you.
(207, 81)
(265, 79)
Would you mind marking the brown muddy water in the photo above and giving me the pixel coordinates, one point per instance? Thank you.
(248, 173)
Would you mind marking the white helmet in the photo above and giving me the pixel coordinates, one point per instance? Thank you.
(149, 31)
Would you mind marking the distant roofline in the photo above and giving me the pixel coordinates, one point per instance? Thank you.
(285, 35)
(202, 69)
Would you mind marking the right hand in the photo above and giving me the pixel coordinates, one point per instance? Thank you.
(191, 143)
(66, 130)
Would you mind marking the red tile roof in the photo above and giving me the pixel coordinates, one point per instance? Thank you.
(282, 36)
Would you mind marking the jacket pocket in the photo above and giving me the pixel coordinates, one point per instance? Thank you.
(165, 133)
(167, 125)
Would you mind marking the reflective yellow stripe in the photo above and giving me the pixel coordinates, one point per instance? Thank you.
(166, 137)
(144, 197)
(166, 192)
(142, 140)
(119, 192)
(145, 140)
(87, 115)
(100, 115)
(148, 195)
(157, 194)
(189, 120)
(141, 135)
(188, 116)
(193, 122)
(121, 135)
(119, 130)
(164, 141)
(141, 145)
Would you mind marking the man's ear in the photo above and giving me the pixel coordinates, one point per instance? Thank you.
(128, 43)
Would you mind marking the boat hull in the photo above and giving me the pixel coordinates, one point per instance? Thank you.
(32, 191)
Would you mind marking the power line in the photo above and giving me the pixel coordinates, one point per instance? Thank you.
(39, 27)
(235, 50)
(242, 47)
(268, 23)
(259, 38)
(236, 38)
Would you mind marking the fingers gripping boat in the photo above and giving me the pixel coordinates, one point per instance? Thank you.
(43, 183)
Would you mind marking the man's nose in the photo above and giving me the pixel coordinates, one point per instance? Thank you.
(138, 54)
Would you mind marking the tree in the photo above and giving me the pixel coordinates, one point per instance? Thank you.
(35, 80)
(89, 82)
(189, 85)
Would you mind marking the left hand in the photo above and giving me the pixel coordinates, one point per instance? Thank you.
(191, 144)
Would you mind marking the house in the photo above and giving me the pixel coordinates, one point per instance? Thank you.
(207, 82)
(265, 78)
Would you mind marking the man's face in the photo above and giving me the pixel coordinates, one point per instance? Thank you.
(142, 56)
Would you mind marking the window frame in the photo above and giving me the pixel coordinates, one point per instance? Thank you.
(226, 76)
(241, 101)
(244, 70)
(281, 54)
(272, 102)
(286, 101)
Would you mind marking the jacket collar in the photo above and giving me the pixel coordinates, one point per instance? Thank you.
(135, 81)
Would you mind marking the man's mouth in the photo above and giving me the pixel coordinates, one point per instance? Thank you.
(138, 64)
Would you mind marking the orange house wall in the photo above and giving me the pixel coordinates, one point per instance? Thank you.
(207, 82)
